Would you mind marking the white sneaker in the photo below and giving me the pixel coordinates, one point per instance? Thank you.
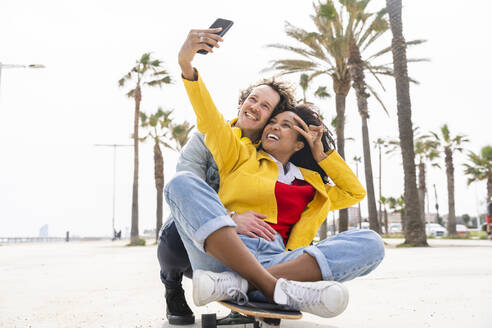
(212, 286)
(323, 298)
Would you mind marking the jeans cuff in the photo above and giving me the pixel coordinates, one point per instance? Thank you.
(211, 226)
(322, 262)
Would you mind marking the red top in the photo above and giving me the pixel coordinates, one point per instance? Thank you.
(291, 202)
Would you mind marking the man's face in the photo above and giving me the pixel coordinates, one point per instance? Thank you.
(256, 109)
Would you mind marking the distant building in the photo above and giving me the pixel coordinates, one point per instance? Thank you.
(43, 231)
(149, 232)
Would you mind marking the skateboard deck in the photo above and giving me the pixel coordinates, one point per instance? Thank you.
(254, 313)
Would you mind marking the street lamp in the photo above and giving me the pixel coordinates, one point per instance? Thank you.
(2, 66)
(114, 146)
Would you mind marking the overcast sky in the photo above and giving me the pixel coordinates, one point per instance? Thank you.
(50, 119)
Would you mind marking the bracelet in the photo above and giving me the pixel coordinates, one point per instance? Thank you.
(232, 213)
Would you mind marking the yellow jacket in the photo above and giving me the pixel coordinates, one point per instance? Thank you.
(248, 176)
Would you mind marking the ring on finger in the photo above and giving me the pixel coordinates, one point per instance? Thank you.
(201, 39)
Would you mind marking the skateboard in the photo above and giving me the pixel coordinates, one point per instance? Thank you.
(257, 314)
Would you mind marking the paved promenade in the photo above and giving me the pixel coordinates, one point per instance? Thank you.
(105, 284)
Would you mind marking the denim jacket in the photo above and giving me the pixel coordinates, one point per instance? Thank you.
(196, 158)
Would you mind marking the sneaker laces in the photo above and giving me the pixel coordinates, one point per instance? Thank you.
(237, 295)
(223, 285)
(301, 296)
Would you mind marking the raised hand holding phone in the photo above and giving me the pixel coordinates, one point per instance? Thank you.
(200, 40)
(225, 24)
(196, 41)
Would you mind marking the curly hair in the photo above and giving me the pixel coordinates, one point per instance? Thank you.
(284, 89)
(304, 157)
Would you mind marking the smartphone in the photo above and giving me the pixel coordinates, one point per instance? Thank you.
(225, 24)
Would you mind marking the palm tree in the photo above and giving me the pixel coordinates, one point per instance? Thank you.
(397, 205)
(147, 71)
(304, 83)
(378, 144)
(326, 52)
(357, 34)
(426, 151)
(181, 134)
(384, 202)
(480, 168)
(159, 125)
(415, 232)
(357, 75)
(450, 145)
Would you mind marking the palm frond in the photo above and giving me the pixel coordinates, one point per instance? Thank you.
(368, 67)
(287, 66)
(143, 119)
(375, 94)
(159, 82)
(155, 63)
(126, 77)
(388, 49)
(322, 93)
(161, 72)
(144, 59)
(131, 93)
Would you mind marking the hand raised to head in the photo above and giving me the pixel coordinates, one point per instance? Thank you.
(313, 135)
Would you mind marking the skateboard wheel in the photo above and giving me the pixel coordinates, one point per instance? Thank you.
(209, 320)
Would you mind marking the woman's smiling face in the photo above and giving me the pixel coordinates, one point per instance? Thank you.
(279, 137)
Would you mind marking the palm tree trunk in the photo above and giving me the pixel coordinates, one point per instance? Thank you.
(421, 190)
(386, 221)
(134, 237)
(371, 199)
(159, 185)
(380, 214)
(489, 188)
(415, 232)
(357, 75)
(341, 88)
(359, 215)
(450, 176)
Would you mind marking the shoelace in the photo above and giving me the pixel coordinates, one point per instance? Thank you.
(301, 296)
(223, 283)
(237, 295)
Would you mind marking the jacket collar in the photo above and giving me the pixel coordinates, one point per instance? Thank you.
(291, 173)
(311, 177)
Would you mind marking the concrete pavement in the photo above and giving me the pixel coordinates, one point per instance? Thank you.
(105, 284)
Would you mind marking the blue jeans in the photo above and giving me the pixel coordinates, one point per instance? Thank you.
(198, 212)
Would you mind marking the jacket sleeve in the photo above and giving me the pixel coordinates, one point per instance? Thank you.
(220, 139)
(347, 190)
(194, 157)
